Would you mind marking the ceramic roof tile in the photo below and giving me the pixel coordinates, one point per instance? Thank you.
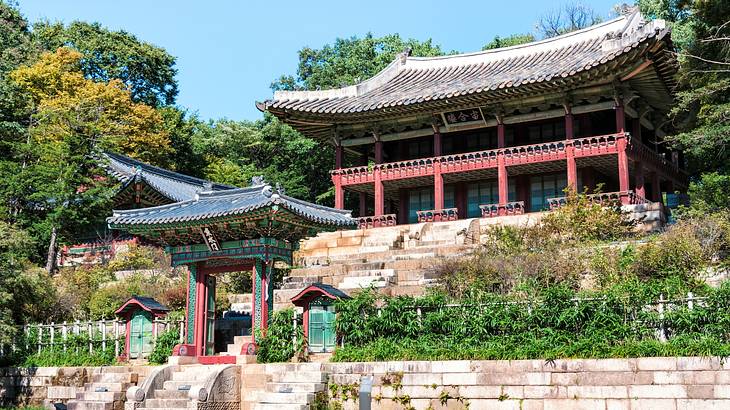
(210, 205)
(172, 185)
(413, 80)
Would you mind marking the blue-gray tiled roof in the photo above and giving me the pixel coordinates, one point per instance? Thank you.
(213, 205)
(174, 186)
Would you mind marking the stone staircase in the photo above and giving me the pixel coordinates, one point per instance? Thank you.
(398, 259)
(106, 390)
(234, 349)
(174, 392)
(290, 386)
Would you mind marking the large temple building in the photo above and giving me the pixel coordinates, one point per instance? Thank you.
(501, 131)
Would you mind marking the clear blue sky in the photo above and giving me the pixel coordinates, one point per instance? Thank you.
(228, 52)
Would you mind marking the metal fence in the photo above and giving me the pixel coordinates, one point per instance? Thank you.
(100, 334)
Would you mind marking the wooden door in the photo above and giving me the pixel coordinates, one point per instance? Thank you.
(210, 316)
(322, 336)
(140, 335)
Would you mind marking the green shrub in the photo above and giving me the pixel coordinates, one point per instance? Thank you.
(676, 253)
(539, 323)
(278, 344)
(163, 346)
(580, 220)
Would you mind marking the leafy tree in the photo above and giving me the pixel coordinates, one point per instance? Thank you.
(702, 114)
(55, 181)
(509, 41)
(350, 60)
(147, 70)
(182, 127)
(26, 293)
(709, 194)
(677, 14)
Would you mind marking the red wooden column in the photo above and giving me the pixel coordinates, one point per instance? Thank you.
(363, 203)
(501, 169)
(622, 143)
(379, 191)
(337, 178)
(438, 179)
(570, 150)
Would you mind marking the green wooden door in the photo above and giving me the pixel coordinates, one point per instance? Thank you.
(322, 337)
(140, 335)
(210, 317)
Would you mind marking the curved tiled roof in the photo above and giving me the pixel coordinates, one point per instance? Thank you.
(171, 185)
(423, 81)
(209, 206)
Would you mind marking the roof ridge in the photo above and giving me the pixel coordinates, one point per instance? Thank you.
(162, 172)
(402, 62)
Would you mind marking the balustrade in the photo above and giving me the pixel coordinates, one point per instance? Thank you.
(438, 215)
(510, 208)
(367, 222)
(602, 198)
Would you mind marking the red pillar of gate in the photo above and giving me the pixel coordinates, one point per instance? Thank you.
(379, 194)
(201, 298)
(570, 151)
(622, 144)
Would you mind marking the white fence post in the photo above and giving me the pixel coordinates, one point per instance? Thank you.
(102, 326)
(662, 329)
(40, 337)
(690, 300)
(90, 331)
(64, 335)
(53, 333)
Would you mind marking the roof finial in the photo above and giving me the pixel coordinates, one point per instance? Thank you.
(207, 186)
(405, 54)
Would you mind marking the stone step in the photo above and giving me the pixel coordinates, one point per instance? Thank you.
(100, 396)
(299, 377)
(166, 403)
(120, 387)
(272, 368)
(176, 384)
(363, 282)
(285, 398)
(189, 375)
(169, 394)
(115, 378)
(386, 273)
(280, 406)
(89, 405)
(294, 387)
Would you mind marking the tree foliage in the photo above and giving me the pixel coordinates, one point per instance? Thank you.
(350, 60)
(509, 41)
(147, 71)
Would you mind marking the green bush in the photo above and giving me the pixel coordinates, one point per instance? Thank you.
(581, 220)
(548, 323)
(676, 253)
(163, 346)
(278, 344)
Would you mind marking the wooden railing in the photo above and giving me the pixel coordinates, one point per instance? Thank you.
(438, 215)
(523, 154)
(603, 199)
(367, 222)
(510, 208)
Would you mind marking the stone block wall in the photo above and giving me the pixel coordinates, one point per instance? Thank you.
(608, 384)
(34, 386)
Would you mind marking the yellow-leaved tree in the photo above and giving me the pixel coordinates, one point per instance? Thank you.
(65, 102)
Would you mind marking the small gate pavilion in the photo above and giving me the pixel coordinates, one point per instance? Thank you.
(225, 231)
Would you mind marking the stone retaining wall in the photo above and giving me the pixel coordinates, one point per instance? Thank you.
(34, 386)
(610, 384)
